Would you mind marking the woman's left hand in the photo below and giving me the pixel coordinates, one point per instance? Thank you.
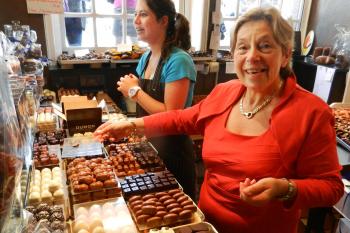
(126, 82)
(259, 193)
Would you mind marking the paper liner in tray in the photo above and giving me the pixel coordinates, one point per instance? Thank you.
(171, 215)
(81, 147)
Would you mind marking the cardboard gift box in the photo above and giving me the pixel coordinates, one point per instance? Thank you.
(81, 115)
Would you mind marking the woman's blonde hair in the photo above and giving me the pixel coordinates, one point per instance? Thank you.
(282, 31)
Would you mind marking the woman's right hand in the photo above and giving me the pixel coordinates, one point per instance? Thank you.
(114, 130)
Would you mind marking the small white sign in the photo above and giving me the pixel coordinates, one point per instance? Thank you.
(45, 6)
(216, 17)
(124, 48)
(230, 68)
(81, 52)
(323, 82)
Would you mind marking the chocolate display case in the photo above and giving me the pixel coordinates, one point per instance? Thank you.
(342, 123)
(11, 156)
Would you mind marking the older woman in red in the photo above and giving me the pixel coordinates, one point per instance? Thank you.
(269, 146)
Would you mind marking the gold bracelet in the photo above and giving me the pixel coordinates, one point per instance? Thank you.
(290, 193)
(134, 130)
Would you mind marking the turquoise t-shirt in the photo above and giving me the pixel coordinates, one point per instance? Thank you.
(178, 65)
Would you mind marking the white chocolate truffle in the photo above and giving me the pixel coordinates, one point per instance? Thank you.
(82, 211)
(35, 188)
(82, 217)
(107, 205)
(54, 186)
(34, 197)
(98, 229)
(95, 222)
(44, 186)
(95, 208)
(80, 225)
(46, 196)
(58, 194)
(46, 170)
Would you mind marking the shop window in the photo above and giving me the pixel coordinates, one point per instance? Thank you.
(232, 9)
(99, 23)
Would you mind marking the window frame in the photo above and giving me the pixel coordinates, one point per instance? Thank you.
(124, 16)
(303, 14)
(56, 35)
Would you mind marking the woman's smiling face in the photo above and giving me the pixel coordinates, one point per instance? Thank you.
(258, 58)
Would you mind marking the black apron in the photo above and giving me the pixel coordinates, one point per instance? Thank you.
(175, 150)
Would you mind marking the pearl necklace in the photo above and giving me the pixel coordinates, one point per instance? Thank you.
(250, 114)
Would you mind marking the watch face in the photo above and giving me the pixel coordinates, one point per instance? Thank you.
(132, 91)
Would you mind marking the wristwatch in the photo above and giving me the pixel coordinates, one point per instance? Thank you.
(133, 91)
(291, 191)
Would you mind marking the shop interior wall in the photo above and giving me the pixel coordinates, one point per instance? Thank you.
(17, 10)
(324, 15)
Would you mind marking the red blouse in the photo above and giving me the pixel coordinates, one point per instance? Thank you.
(299, 144)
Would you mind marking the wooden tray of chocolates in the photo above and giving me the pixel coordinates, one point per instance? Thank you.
(148, 183)
(342, 123)
(48, 218)
(47, 186)
(203, 227)
(91, 179)
(165, 208)
(134, 158)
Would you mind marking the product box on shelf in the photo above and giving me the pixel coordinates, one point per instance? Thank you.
(81, 115)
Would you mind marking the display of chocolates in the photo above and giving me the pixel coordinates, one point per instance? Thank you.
(51, 217)
(103, 216)
(46, 186)
(42, 157)
(67, 92)
(50, 138)
(342, 124)
(162, 209)
(92, 179)
(46, 119)
(142, 153)
(123, 160)
(147, 183)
